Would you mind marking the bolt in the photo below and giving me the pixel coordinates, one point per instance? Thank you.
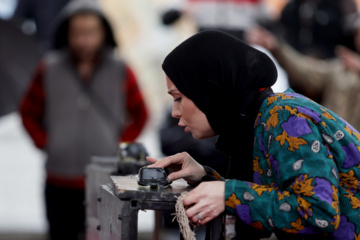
(98, 227)
(99, 199)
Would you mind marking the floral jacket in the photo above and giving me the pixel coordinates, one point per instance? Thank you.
(306, 165)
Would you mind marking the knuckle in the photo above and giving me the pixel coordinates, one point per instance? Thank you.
(189, 215)
(185, 154)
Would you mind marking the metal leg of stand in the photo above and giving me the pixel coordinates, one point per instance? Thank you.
(215, 229)
(129, 218)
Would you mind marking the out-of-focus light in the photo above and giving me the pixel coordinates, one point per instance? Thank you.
(28, 27)
(7, 8)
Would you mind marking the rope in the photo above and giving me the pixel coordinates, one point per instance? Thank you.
(182, 219)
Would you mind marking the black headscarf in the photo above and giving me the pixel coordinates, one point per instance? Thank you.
(223, 76)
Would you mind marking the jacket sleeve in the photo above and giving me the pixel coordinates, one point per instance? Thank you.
(304, 72)
(136, 109)
(32, 108)
(304, 198)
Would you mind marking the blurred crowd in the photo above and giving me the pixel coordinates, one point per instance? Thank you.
(85, 75)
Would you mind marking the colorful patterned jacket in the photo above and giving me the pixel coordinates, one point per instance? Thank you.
(306, 165)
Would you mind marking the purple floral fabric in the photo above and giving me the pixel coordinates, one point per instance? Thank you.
(257, 178)
(243, 212)
(296, 126)
(320, 195)
(295, 95)
(275, 165)
(310, 113)
(323, 190)
(262, 146)
(345, 231)
(352, 156)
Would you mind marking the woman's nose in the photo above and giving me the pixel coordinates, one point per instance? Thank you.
(175, 113)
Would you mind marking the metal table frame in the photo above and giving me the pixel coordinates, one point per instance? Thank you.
(120, 201)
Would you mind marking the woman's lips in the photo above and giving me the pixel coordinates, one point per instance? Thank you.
(186, 129)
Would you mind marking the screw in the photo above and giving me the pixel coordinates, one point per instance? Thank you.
(99, 199)
(98, 227)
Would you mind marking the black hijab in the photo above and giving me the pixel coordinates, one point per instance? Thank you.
(223, 76)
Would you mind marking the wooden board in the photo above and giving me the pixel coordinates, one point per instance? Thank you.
(126, 187)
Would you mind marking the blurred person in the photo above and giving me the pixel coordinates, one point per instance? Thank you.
(295, 164)
(315, 28)
(337, 80)
(81, 102)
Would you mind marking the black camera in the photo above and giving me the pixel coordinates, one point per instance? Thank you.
(153, 177)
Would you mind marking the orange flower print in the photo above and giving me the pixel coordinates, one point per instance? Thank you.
(283, 194)
(258, 119)
(273, 185)
(294, 128)
(302, 186)
(272, 121)
(256, 166)
(336, 221)
(327, 115)
(335, 205)
(304, 208)
(216, 175)
(351, 132)
(232, 201)
(294, 142)
(260, 189)
(335, 198)
(274, 110)
(293, 111)
(357, 237)
(271, 99)
(297, 226)
(257, 225)
(355, 202)
(349, 181)
(282, 138)
(284, 96)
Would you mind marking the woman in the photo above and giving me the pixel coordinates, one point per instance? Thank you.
(295, 164)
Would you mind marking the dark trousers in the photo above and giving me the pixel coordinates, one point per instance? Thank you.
(65, 212)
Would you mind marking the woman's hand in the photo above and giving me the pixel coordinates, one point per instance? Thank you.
(209, 201)
(183, 165)
(349, 58)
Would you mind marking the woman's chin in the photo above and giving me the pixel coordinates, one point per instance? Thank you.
(199, 136)
(196, 136)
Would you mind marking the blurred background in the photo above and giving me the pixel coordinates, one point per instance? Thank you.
(144, 32)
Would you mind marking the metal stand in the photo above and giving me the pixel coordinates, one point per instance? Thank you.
(120, 202)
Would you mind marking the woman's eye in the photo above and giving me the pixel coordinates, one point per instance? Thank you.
(177, 99)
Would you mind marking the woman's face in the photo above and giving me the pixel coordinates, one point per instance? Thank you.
(189, 115)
